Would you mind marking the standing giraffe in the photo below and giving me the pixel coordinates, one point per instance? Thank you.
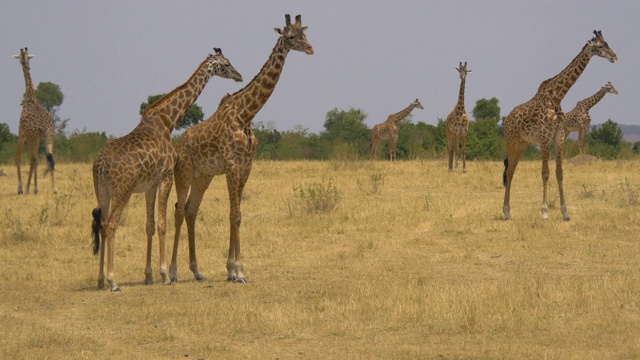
(143, 161)
(36, 124)
(225, 144)
(457, 125)
(388, 130)
(579, 120)
(540, 120)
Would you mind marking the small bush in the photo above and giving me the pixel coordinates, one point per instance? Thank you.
(318, 197)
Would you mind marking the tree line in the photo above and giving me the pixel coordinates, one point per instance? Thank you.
(345, 136)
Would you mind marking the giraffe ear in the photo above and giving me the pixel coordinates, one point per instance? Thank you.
(16, 56)
(304, 28)
(458, 70)
(30, 56)
(278, 31)
(469, 70)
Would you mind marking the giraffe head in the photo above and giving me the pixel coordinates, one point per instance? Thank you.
(597, 46)
(220, 66)
(416, 103)
(293, 35)
(609, 88)
(24, 57)
(463, 70)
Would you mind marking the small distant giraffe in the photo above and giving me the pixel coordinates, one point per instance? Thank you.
(579, 119)
(225, 144)
(541, 120)
(457, 125)
(388, 130)
(36, 124)
(143, 161)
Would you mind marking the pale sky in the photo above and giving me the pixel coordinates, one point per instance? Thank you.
(375, 55)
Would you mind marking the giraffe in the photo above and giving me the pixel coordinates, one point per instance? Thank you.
(579, 120)
(457, 125)
(36, 124)
(225, 144)
(540, 120)
(143, 161)
(388, 130)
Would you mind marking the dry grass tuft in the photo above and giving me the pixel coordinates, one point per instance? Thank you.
(424, 269)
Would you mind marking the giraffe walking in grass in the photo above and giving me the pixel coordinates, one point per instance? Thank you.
(388, 130)
(225, 144)
(578, 119)
(541, 120)
(457, 125)
(36, 125)
(143, 161)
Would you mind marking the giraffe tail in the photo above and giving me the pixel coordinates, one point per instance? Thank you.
(96, 225)
(504, 174)
(50, 164)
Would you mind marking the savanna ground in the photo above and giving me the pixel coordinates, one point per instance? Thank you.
(413, 262)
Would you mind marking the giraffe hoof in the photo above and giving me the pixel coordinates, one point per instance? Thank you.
(116, 289)
(199, 277)
(241, 281)
(174, 280)
(567, 219)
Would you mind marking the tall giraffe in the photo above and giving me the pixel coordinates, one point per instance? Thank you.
(540, 120)
(457, 125)
(143, 161)
(579, 119)
(388, 130)
(36, 124)
(225, 144)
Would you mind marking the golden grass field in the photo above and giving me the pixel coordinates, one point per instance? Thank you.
(423, 269)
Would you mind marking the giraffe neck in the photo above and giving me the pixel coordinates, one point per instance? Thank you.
(460, 105)
(397, 117)
(555, 88)
(250, 99)
(592, 100)
(30, 92)
(171, 107)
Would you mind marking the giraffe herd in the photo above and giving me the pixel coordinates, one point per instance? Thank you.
(146, 161)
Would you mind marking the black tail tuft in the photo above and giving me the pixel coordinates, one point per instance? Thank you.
(504, 174)
(96, 225)
(51, 165)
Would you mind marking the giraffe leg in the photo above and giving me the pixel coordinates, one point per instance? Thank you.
(49, 140)
(163, 199)
(464, 153)
(374, 145)
(393, 143)
(33, 167)
(513, 158)
(236, 181)
(456, 144)
(104, 206)
(117, 208)
(19, 163)
(150, 196)
(199, 185)
(182, 178)
(545, 149)
(450, 151)
(559, 142)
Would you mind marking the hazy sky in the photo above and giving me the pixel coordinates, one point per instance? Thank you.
(109, 56)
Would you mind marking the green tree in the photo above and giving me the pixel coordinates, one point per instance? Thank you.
(346, 132)
(193, 116)
(487, 109)
(606, 140)
(268, 140)
(6, 135)
(51, 97)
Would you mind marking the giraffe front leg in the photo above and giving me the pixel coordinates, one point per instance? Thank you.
(545, 180)
(559, 176)
(150, 196)
(199, 185)
(18, 165)
(464, 154)
(163, 199)
(235, 185)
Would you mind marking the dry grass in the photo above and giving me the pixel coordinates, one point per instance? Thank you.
(425, 268)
